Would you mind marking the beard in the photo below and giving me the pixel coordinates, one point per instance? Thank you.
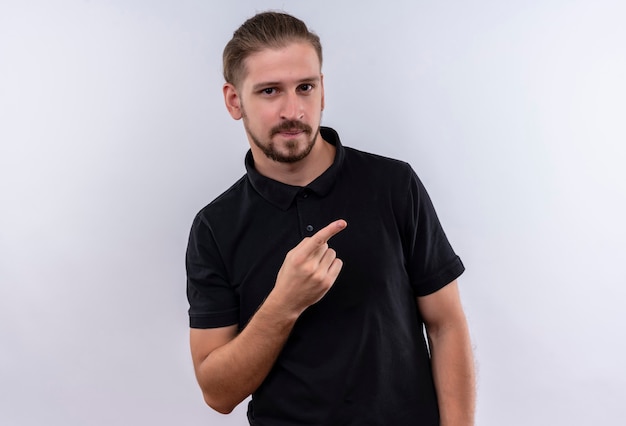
(294, 152)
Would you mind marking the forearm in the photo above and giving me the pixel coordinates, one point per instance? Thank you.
(453, 372)
(231, 366)
(232, 372)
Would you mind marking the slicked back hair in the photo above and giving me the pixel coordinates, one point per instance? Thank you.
(273, 30)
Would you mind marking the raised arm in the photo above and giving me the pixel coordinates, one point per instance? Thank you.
(230, 366)
(451, 353)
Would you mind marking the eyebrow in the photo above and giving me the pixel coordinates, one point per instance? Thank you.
(266, 84)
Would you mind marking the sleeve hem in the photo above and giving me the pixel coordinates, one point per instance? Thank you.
(214, 320)
(443, 277)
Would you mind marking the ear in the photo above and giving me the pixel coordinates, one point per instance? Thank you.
(322, 87)
(232, 101)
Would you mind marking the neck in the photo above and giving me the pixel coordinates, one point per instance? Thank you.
(300, 173)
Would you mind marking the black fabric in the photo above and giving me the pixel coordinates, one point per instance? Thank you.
(359, 356)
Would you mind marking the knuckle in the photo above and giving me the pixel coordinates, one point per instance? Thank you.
(308, 269)
(318, 240)
(318, 276)
(328, 283)
(295, 256)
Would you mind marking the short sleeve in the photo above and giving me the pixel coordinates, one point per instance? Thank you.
(212, 300)
(431, 261)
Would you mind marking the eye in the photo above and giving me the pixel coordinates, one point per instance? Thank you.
(306, 87)
(268, 91)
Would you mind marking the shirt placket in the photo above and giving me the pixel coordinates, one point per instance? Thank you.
(308, 214)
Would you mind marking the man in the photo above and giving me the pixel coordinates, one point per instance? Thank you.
(320, 335)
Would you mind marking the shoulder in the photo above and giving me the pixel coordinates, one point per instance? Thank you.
(378, 167)
(225, 203)
(356, 155)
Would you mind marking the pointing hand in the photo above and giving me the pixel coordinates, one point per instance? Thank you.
(309, 270)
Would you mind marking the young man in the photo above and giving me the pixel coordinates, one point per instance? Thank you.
(320, 335)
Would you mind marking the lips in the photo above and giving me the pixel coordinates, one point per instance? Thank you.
(291, 132)
(291, 128)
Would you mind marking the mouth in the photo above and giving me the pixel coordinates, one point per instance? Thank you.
(291, 129)
(294, 132)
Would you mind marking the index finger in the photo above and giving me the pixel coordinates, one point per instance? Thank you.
(323, 235)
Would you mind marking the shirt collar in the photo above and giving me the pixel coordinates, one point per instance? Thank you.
(281, 194)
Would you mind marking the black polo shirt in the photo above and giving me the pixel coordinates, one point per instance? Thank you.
(359, 356)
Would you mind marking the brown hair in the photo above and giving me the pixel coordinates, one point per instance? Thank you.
(264, 30)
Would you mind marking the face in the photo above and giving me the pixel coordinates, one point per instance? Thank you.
(280, 101)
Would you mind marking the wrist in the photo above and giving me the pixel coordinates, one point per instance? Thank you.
(277, 308)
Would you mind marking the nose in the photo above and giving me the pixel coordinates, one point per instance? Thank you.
(292, 107)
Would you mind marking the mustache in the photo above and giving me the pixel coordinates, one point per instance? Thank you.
(291, 126)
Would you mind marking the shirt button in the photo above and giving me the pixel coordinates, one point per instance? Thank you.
(305, 195)
(309, 228)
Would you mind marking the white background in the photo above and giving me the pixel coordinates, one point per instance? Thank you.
(113, 135)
